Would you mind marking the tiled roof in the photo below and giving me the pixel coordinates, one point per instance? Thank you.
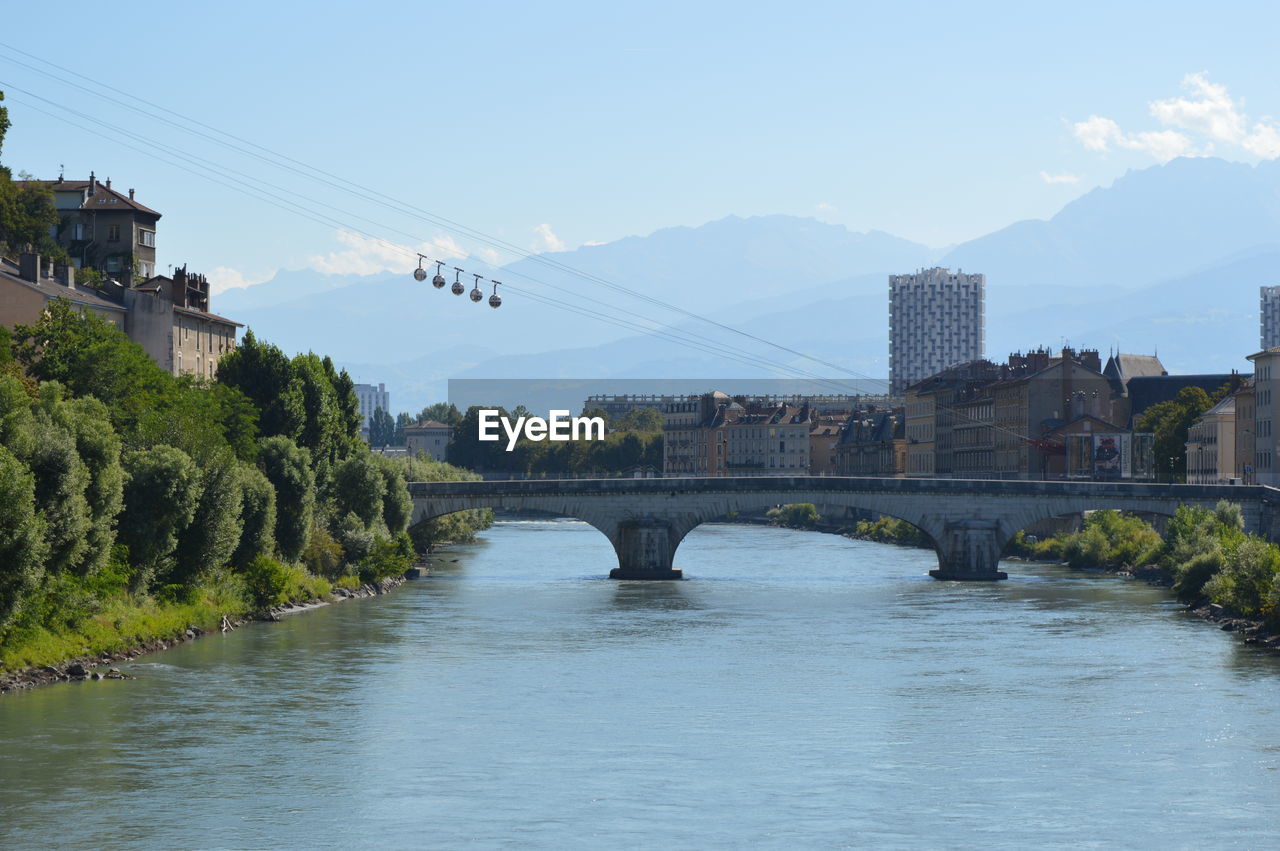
(101, 199)
(50, 288)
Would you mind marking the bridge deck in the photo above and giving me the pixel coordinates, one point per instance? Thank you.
(843, 484)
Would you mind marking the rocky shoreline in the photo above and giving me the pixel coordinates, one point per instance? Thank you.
(92, 667)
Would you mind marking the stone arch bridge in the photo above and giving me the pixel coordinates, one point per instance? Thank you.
(969, 521)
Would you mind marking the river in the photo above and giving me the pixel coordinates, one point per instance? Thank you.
(797, 690)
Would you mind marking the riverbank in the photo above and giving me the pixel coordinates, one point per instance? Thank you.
(100, 665)
(1201, 546)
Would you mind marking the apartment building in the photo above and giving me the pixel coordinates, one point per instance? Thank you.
(936, 320)
(103, 228)
(168, 316)
(1269, 317)
(1211, 446)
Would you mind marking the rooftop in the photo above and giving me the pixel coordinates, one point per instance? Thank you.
(102, 196)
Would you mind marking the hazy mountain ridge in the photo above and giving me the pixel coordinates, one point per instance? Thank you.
(1168, 258)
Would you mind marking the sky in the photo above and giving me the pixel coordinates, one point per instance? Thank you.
(548, 126)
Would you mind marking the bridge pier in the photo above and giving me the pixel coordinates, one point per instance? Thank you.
(645, 549)
(969, 550)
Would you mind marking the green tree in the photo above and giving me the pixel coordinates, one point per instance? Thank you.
(61, 482)
(344, 391)
(160, 500)
(402, 421)
(1169, 422)
(264, 374)
(98, 447)
(208, 541)
(639, 419)
(91, 357)
(801, 515)
(323, 427)
(200, 418)
(397, 505)
(382, 429)
(441, 412)
(355, 537)
(288, 467)
(258, 515)
(22, 541)
(359, 488)
(27, 213)
(4, 122)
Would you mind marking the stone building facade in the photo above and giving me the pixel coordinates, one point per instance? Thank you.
(428, 437)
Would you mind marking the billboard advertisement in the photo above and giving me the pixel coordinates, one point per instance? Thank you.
(1112, 457)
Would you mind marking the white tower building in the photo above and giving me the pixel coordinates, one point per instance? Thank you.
(1270, 317)
(936, 320)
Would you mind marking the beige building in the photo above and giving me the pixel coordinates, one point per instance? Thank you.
(873, 443)
(824, 436)
(1266, 380)
(1211, 455)
(27, 287)
(168, 317)
(694, 442)
(1244, 451)
(769, 442)
(428, 437)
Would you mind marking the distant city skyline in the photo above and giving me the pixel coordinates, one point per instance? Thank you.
(555, 128)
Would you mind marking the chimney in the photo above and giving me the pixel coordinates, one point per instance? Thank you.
(29, 267)
(93, 182)
(108, 183)
(65, 275)
(130, 194)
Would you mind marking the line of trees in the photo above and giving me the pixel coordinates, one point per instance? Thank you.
(632, 442)
(118, 479)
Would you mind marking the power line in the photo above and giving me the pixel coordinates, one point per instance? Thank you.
(308, 171)
(248, 185)
(342, 184)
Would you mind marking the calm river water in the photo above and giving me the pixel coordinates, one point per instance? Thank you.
(799, 690)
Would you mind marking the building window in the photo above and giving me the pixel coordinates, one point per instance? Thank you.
(113, 233)
(147, 270)
(77, 231)
(147, 238)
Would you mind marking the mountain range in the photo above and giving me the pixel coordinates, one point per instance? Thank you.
(1166, 260)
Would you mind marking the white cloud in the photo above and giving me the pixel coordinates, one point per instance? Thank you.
(825, 208)
(1210, 111)
(489, 256)
(1096, 132)
(1058, 178)
(1100, 134)
(1207, 113)
(368, 256)
(545, 239)
(225, 278)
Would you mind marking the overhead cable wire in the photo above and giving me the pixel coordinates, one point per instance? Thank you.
(342, 184)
